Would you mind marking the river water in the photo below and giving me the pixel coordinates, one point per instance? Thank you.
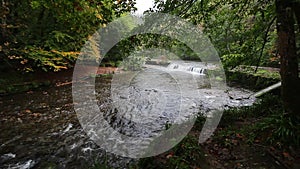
(41, 129)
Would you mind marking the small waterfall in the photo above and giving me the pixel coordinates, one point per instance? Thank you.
(197, 70)
(187, 68)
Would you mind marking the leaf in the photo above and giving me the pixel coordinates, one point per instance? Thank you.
(286, 154)
(239, 136)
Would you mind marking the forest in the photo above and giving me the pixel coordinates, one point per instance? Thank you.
(42, 48)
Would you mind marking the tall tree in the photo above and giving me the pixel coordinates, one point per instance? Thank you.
(288, 54)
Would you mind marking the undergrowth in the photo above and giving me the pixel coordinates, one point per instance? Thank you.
(187, 154)
(264, 121)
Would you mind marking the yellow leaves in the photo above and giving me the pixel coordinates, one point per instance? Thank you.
(65, 54)
(99, 16)
(274, 59)
(12, 57)
(57, 68)
(28, 69)
(72, 53)
(47, 60)
(27, 111)
(24, 61)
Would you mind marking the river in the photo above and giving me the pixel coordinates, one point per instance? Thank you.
(40, 128)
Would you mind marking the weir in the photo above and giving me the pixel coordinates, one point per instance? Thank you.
(188, 68)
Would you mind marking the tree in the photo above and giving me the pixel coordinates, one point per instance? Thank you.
(42, 34)
(288, 54)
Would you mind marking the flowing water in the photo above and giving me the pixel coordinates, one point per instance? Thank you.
(40, 129)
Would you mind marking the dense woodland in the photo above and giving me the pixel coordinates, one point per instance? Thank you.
(47, 36)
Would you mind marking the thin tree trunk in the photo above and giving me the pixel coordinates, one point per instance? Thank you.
(288, 55)
(3, 21)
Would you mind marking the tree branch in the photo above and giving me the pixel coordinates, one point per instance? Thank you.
(265, 41)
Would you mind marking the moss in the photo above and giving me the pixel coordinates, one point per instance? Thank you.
(246, 76)
(272, 73)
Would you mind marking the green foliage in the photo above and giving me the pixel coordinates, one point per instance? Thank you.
(246, 77)
(282, 129)
(270, 125)
(243, 32)
(261, 108)
(133, 62)
(232, 60)
(186, 154)
(32, 58)
(32, 30)
(261, 72)
(144, 45)
(100, 166)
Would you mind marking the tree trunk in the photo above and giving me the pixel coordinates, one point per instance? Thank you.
(288, 55)
(3, 14)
